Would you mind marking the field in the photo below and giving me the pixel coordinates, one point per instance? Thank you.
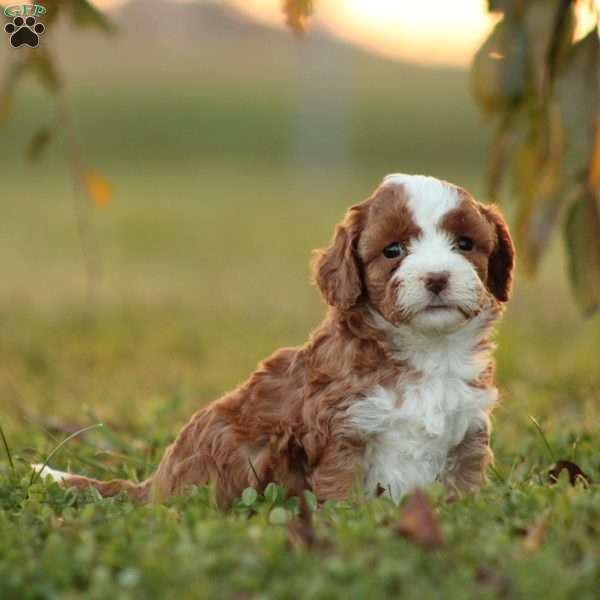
(224, 182)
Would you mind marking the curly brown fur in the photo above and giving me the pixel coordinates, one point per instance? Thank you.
(289, 422)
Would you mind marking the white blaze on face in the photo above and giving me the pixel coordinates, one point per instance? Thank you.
(434, 252)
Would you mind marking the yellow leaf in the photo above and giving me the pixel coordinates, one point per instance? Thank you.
(595, 166)
(97, 187)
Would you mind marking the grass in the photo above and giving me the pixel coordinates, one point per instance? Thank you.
(204, 253)
(58, 542)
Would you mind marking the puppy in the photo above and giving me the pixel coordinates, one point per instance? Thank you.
(393, 390)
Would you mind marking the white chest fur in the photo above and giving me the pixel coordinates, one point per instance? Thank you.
(411, 426)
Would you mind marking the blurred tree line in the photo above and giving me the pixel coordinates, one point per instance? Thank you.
(536, 82)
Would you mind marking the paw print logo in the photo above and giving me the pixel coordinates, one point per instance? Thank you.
(24, 32)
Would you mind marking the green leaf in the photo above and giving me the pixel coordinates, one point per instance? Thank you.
(496, 5)
(499, 70)
(271, 493)
(549, 26)
(582, 237)
(7, 449)
(249, 496)
(38, 143)
(54, 8)
(278, 516)
(542, 221)
(499, 157)
(311, 500)
(41, 66)
(502, 6)
(539, 179)
(7, 104)
(528, 160)
(7, 93)
(85, 14)
(578, 93)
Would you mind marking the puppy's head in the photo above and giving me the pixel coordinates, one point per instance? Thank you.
(420, 252)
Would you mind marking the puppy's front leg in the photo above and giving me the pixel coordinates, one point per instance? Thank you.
(468, 462)
(338, 471)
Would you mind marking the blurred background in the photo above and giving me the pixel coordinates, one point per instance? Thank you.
(233, 147)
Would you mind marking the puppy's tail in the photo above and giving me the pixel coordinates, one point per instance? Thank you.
(139, 493)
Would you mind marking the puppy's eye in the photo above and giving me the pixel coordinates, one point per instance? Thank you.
(394, 250)
(465, 244)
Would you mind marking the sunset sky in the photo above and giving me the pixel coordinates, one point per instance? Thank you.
(440, 31)
(425, 31)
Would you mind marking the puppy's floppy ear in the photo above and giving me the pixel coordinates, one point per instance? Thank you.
(502, 260)
(336, 269)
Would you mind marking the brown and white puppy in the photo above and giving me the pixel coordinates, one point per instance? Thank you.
(393, 390)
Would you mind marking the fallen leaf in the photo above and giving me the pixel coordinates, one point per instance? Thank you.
(488, 578)
(98, 188)
(418, 523)
(574, 471)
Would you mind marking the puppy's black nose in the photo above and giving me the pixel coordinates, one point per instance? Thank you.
(437, 282)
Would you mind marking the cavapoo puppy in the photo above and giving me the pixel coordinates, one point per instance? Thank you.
(393, 390)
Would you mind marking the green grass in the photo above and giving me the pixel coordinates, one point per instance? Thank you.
(58, 542)
(204, 256)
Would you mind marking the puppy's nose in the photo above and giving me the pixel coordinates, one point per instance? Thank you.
(437, 282)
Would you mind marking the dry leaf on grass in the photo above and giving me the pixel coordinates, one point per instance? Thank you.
(418, 523)
(487, 578)
(379, 491)
(574, 471)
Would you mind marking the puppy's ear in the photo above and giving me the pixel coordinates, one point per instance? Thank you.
(336, 269)
(502, 260)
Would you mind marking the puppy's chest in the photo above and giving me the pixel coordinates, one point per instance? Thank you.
(411, 426)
